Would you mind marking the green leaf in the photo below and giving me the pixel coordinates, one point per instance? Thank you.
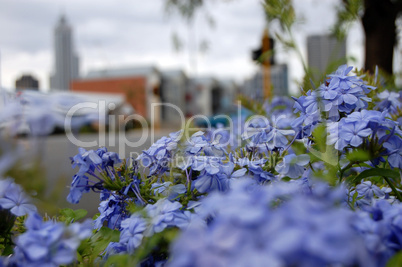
(67, 212)
(354, 198)
(161, 241)
(80, 214)
(376, 172)
(120, 260)
(8, 250)
(395, 261)
(92, 248)
(102, 238)
(322, 151)
(358, 155)
(69, 215)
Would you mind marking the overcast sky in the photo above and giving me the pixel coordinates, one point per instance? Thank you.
(136, 32)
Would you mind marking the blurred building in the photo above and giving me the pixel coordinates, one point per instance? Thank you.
(27, 82)
(324, 50)
(139, 85)
(205, 96)
(163, 97)
(253, 87)
(230, 92)
(173, 95)
(66, 62)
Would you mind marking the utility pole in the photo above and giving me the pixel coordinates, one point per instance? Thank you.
(266, 66)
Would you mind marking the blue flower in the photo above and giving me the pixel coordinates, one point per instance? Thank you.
(115, 248)
(255, 168)
(5, 185)
(279, 105)
(211, 165)
(168, 190)
(381, 228)
(211, 145)
(196, 143)
(377, 121)
(276, 137)
(327, 92)
(368, 190)
(394, 151)
(256, 130)
(307, 119)
(345, 133)
(79, 186)
(159, 155)
(263, 135)
(389, 100)
(16, 200)
(207, 182)
(353, 133)
(214, 175)
(86, 160)
(112, 211)
(110, 159)
(132, 232)
(227, 175)
(292, 165)
(49, 243)
(163, 214)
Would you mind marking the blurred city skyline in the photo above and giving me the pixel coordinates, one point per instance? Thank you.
(134, 33)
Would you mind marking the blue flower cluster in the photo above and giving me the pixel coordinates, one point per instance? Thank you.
(339, 95)
(158, 157)
(48, 243)
(284, 225)
(265, 136)
(88, 162)
(116, 186)
(158, 217)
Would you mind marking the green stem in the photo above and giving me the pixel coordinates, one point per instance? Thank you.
(342, 171)
(398, 195)
(189, 187)
(311, 166)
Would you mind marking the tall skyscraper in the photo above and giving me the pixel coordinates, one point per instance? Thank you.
(65, 60)
(324, 50)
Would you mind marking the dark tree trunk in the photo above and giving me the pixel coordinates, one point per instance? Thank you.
(379, 27)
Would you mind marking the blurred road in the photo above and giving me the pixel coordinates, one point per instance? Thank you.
(54, 152)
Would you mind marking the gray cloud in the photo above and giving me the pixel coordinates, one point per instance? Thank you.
(124, 32)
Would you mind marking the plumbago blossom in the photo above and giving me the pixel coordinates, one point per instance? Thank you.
(14, 199)
(157, 157)
(48, 243)
(292, 165)
(264, 136)
(90, 162)
(116, 186)
(369, 130)
(340, 95)
(248, 229)
(259, 201)
(391, 101)
(159, 216)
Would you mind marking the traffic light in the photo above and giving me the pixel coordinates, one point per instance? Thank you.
(258, 54)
